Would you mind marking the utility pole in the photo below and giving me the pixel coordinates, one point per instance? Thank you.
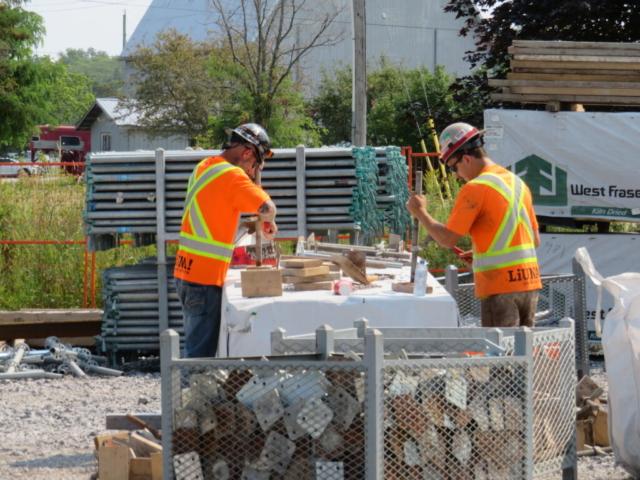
(359, 92)
(124, 29)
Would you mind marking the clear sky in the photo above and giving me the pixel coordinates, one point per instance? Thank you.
(86, 23)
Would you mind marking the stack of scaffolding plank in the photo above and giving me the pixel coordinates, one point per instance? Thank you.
(587, 73)
(307, 274)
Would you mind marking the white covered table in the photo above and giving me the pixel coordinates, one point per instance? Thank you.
(247, 323)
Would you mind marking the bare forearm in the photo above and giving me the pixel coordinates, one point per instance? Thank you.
(267, 211)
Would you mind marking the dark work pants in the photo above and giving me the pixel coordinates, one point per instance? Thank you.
(202, 312)
(516, 309)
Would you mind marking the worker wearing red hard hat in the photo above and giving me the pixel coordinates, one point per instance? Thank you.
(220, 188)
(495, 208)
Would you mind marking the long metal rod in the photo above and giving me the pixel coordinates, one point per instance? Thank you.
(163, 301)
(416, 229)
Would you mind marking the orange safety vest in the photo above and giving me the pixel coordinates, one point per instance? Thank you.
(210, 220)
(506, 260)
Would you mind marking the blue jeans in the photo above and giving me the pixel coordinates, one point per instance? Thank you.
(202, 312)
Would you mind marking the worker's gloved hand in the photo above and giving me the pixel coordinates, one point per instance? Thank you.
(250, 226)
(466, 258)
(269, 230)
(416, 204)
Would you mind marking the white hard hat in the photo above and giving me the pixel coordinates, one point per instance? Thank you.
(459, 136)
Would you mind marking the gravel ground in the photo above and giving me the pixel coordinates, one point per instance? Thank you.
(48, 426)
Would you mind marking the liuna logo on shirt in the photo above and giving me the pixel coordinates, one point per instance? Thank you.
(548, 183)
(183, 265)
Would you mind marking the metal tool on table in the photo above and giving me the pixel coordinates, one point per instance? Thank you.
(415, 248)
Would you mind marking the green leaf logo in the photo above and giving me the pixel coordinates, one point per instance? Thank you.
(548, 184)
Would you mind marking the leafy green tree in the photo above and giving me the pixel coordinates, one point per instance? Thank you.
(399, 101)
(33, 91)
(173, 91)
(196, 89)
(106, 73)
(568, 20)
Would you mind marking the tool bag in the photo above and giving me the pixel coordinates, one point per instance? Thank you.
(621, 345)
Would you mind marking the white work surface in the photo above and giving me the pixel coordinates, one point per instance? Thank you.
(247, 323)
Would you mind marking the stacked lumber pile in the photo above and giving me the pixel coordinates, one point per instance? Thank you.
(307, 274)
(584, 73)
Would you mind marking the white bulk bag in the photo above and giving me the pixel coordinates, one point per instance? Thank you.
(621, 345)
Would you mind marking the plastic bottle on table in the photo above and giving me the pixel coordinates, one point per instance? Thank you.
(420, 279)
(300, 247)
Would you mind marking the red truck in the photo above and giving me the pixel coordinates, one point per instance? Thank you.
(67, 143)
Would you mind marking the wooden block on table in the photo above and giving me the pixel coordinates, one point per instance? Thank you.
(113, 463)
(407, 287)
(156, 466)
(332, 266)
(261, 282)
(301, 262)
(306, 287)
(304, 272)
(140, 469)
(311, 279)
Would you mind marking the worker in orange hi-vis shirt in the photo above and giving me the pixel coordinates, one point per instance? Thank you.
(220, 188)
(495, 207)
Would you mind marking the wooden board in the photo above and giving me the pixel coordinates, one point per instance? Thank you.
(107, 440)
(332, 266)
(559, 77)
(493, 82)
(313, 278)
(304, 272)
(301, 262)
(576, 71)
(41, 323)
(566, 44)
(261, 283)
(349, 268)
(113, 463)
(143, 447)
(156, 466)
(577, 58)
(582, 99)
(140, 469)
(407, 287)
(601, 429)
(36, 343)
(594, 92)
(575, 65)
(305, 287)
(612, 52)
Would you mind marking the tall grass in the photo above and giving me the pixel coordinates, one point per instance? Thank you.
(48, 208)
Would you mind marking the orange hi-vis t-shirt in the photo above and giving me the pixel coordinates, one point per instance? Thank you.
(479, 211)
(220, 203)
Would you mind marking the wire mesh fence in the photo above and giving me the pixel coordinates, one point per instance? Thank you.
(562, 295)
(374, 415)
(553, 381)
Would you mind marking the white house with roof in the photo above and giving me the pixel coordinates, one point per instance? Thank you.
(408, 32)
(117, 131)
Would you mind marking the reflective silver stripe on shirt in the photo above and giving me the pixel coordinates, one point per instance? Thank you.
(499, 259)
(206, 247)
(203, 179)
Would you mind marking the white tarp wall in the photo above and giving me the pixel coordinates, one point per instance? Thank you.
(577, 164)
(611, 254)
